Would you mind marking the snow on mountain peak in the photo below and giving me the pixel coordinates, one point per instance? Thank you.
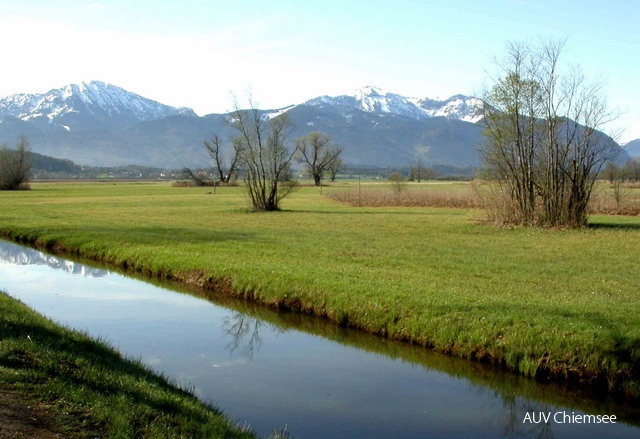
(466, 108)
(369, 91)
(95, 98)
(375, 100)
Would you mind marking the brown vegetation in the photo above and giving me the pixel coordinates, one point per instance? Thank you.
(479, 195)
(618, 200)
(386, 197)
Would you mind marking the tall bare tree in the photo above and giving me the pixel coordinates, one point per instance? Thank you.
(262, 152)
(317, 153)
(544, 141)
(15, 166)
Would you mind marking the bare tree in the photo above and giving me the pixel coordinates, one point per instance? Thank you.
(262, 152)
(15, 166)
(317, 153)
(587, 149)
(225, 162)
(544, 140)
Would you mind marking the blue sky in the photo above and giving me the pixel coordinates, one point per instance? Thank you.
(198, 53)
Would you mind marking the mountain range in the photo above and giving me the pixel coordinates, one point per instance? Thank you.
(99, 124)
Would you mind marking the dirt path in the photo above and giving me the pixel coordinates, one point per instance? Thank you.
(21, 417)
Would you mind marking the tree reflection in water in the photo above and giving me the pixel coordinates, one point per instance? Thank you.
(244, 331)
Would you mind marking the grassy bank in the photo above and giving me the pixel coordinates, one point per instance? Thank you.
(544, 303)
(90, 390)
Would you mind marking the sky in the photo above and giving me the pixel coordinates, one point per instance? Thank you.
(202, 53)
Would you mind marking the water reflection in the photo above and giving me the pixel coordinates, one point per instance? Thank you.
(244, 332)
(19, 255)
(272, 369)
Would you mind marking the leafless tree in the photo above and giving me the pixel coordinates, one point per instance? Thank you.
(317, 153)
(263, 154)
(15, 166)
(225, 161)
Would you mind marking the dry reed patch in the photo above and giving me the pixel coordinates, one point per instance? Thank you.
(410, 197)
(478, 195)
(606, 204)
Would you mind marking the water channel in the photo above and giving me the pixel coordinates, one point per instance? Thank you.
(269, 369)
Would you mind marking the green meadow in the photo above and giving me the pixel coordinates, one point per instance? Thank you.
(549, 304)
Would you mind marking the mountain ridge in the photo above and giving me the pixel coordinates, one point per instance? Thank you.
(87, 105)
(99, 124)
(100, 97)
(375, 100)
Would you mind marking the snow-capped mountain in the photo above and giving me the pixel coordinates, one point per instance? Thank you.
(374, 100)
(88, 105)
(94, 123)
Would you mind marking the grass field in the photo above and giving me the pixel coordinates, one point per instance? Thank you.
(558, 304)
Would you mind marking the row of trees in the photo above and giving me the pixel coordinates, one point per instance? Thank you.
(544, 141)
(259, 150)
(629, 172)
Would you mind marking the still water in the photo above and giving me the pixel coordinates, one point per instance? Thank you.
(269, 369)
